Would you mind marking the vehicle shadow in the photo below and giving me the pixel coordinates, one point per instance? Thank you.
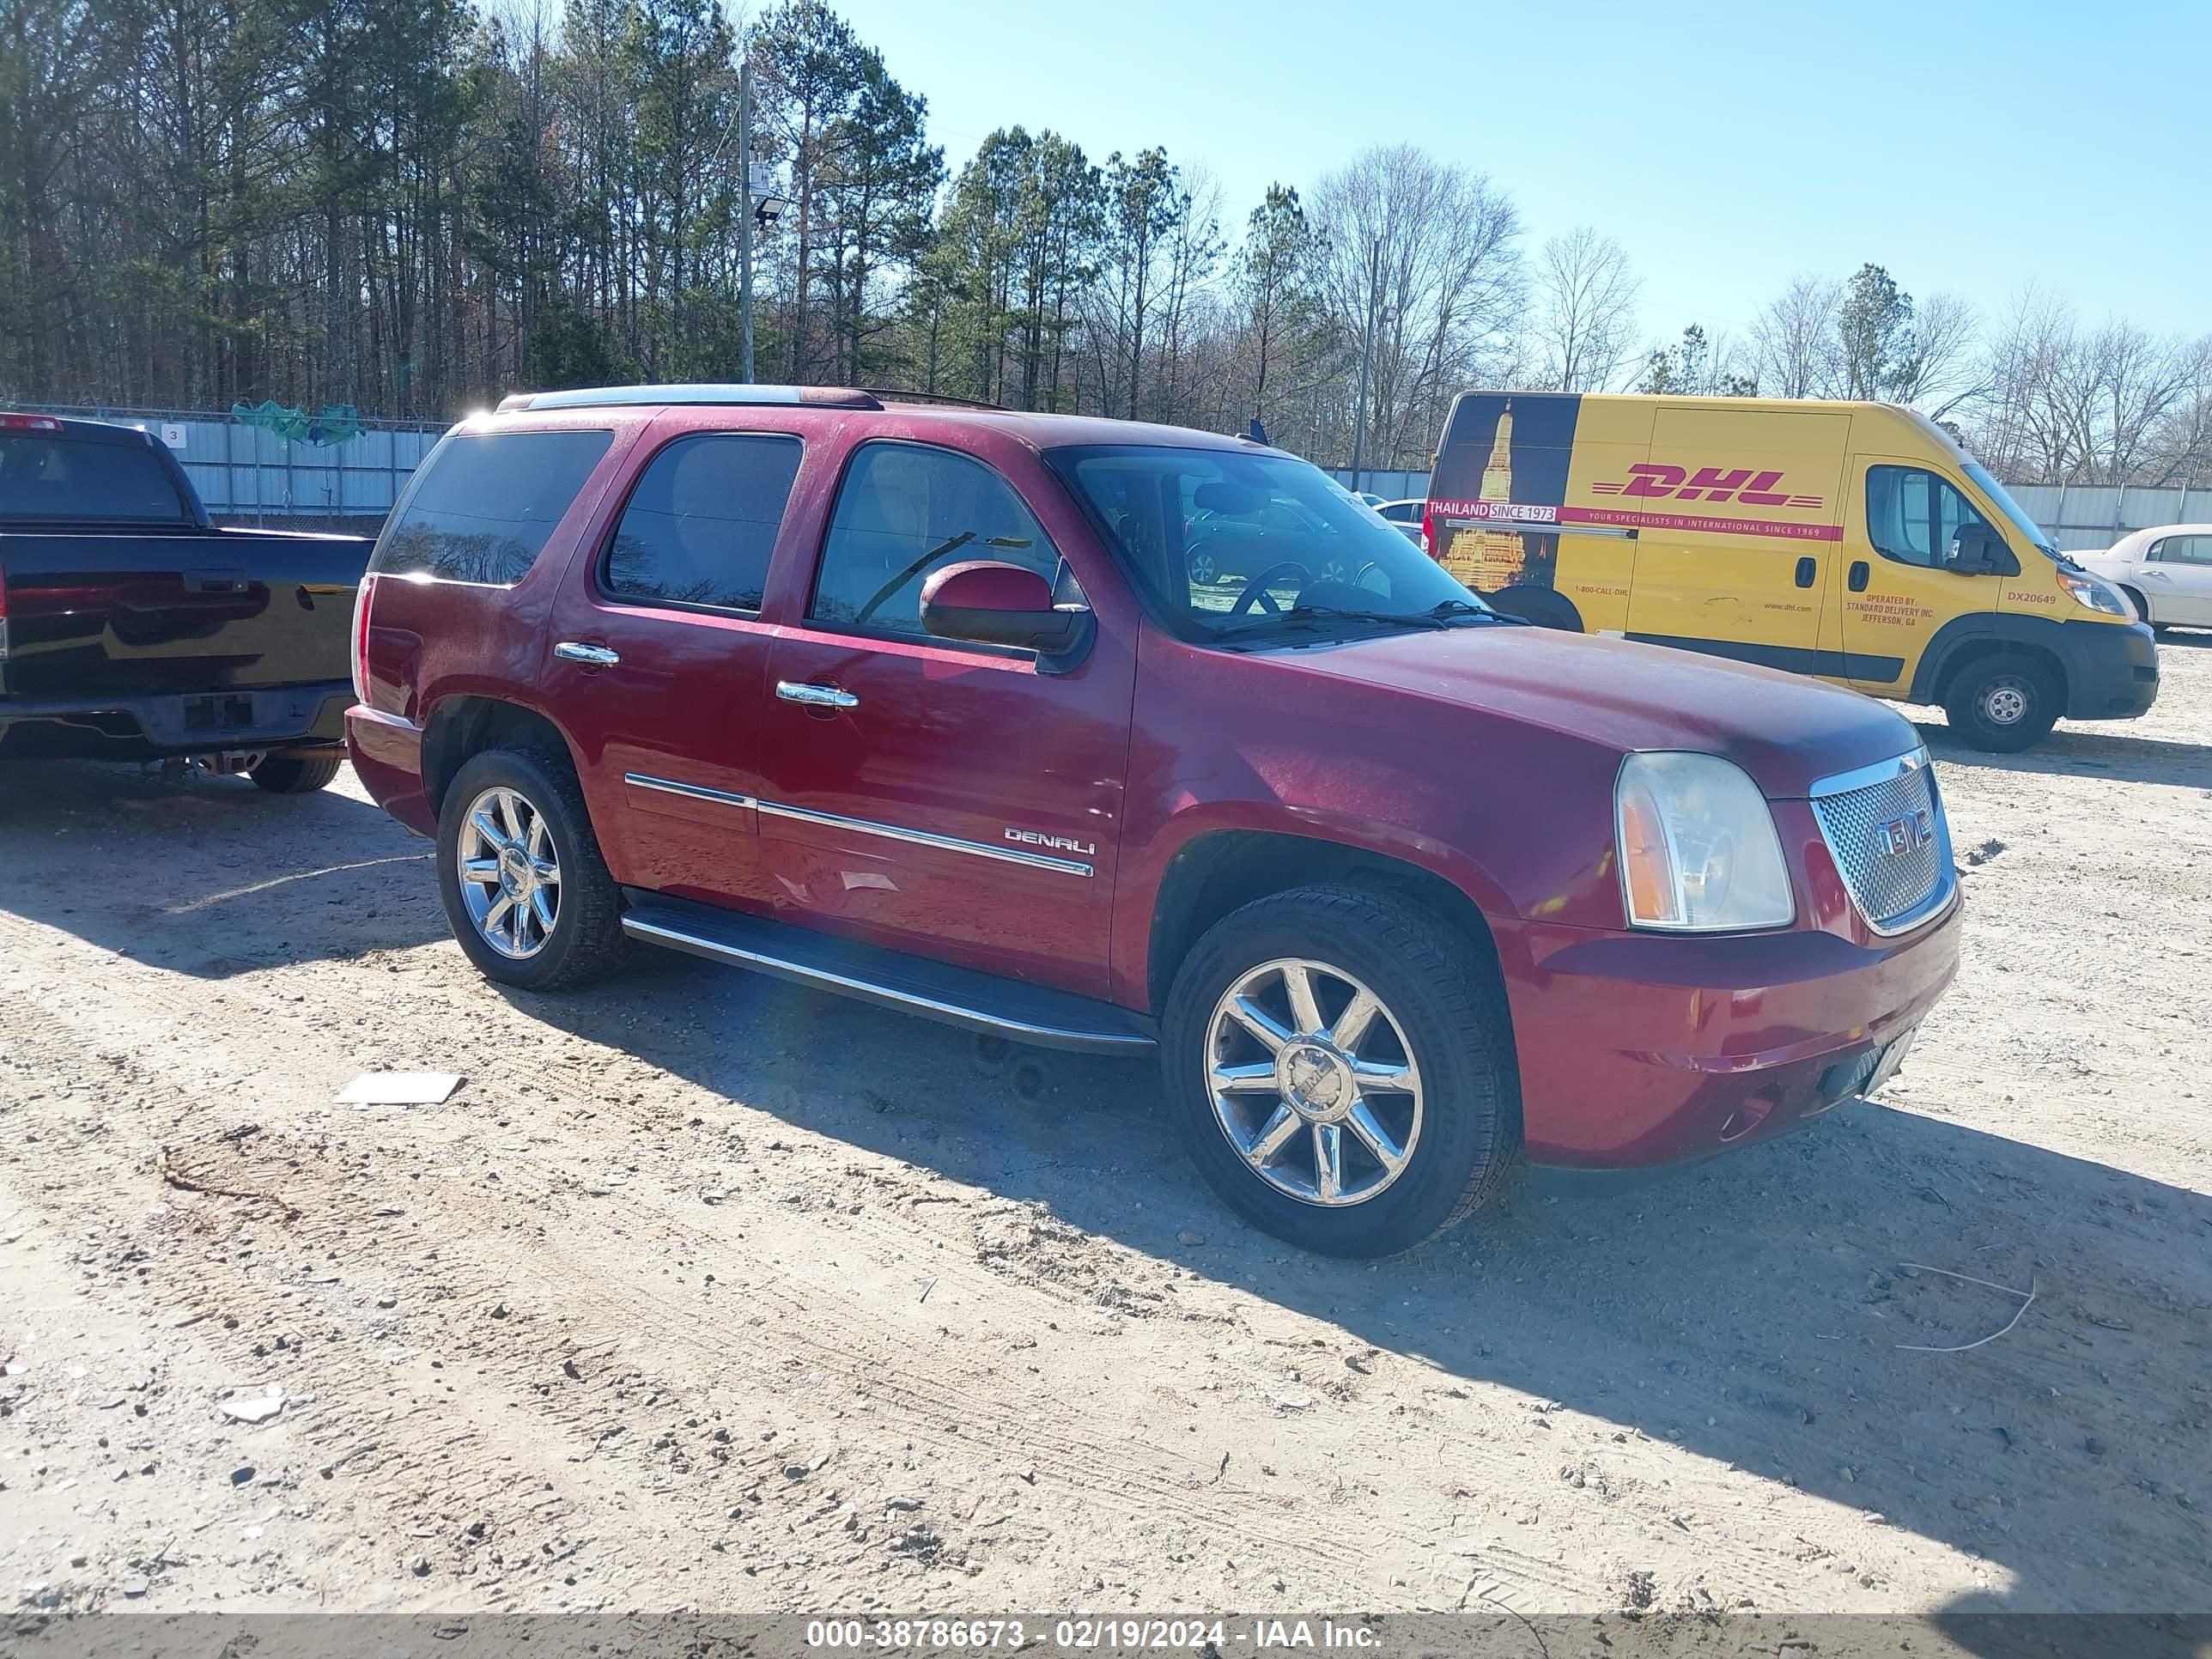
(91, 849)
(2077, 751)
(1751, 1310)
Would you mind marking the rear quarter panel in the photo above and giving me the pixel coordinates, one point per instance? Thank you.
(430, 641)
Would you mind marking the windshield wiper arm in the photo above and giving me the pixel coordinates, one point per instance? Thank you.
(1448, 608)
(1306, 615)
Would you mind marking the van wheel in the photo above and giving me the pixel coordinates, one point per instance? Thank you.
(1339, 1068)
(2004, 704)
(294, 777)
(525, 888)
(1540, 606)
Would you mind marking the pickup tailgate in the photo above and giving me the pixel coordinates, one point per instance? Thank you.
(95, 613)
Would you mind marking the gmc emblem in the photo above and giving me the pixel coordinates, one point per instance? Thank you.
(1898, 837)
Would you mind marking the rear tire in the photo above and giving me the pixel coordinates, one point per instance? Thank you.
(281, 776)
(2004, 704)
(1439, 1023)
(496, 802)
(1539, 605)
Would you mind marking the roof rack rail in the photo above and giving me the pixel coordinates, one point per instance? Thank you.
(603, 396)
(890, 394)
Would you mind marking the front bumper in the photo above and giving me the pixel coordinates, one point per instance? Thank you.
(2111, 670)
(1644, 1050)
(200, 723)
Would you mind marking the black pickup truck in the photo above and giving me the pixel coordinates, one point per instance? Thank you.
(133, 629)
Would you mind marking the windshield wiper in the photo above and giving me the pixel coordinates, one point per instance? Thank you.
(1306, 616)
(1447, 613)
(1449, 608)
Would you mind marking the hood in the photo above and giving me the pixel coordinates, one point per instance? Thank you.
(1785, 729)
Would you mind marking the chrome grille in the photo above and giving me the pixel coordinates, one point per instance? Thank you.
(1896, 861)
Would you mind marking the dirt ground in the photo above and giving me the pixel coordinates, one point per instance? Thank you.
(703, 1293)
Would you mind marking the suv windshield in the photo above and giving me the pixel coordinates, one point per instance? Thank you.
(1227, 543)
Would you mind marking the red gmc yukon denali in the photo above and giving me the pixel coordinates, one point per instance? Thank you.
(1124, 737)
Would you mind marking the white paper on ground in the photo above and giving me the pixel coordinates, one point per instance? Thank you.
(400, 1089)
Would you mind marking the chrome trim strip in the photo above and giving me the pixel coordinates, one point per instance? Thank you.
(924, 838)
(1865, 777)
(829, 979)
(1937, 902)
(669, 786)
(866, 827)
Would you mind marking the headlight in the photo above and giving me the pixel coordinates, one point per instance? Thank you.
(1698, 853)
(2095, 592)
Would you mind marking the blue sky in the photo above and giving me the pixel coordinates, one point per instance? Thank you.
(1967, 146)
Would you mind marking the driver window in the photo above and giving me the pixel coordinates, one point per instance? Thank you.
(905, 511)
(1912, 515)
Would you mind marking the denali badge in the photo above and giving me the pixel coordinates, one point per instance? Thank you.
(1899, 836)
(1058, 843)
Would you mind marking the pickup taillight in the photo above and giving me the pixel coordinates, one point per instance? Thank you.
(361, 602)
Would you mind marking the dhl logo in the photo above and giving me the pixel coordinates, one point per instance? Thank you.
(1656, 479)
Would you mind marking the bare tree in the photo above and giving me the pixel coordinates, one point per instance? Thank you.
(1585, 320)
(1794, 340)
(2181, 449)
(1945, 371)
(2067, 404)
(1424, 253)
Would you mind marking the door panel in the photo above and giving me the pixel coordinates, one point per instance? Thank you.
(964, 806)
(1896, 594)
(668, 733)
(2177, 580)
(945, 799)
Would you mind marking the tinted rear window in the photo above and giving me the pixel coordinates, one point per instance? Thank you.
(703, 521)
(64, 478)
(482, 506)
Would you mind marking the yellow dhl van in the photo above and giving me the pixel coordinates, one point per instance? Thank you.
(1856, 541)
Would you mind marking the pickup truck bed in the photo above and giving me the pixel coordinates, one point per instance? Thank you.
(132, 628)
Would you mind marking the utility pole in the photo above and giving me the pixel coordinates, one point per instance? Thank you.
(1366, 357)
(745, 212)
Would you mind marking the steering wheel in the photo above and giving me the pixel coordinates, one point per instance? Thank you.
(1256, 591)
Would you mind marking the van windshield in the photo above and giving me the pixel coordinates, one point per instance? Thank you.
(1231, 545)
(2011, 508)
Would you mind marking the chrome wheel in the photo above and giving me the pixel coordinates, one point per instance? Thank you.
(510, 874)
(1312, 1082)
(2005, 701)
(1203, 570)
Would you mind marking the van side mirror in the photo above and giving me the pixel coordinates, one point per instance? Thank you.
(991, 603)
(1977, 551)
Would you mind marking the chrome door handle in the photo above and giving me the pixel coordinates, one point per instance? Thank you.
(597, 656)
(816, 696)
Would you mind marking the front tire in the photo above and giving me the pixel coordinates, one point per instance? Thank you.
(1340, 1067)
(2004, 704)
(525, 890)
(298, 776)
